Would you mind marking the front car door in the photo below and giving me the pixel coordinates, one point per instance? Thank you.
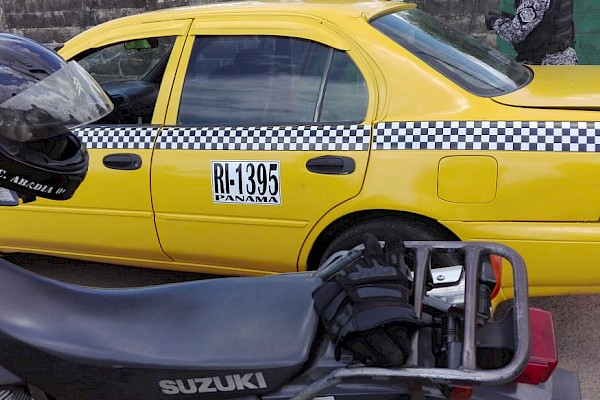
(111, 214)
(267, 130)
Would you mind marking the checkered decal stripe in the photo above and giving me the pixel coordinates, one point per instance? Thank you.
(118, 137)
(425, 135)
(488, 135)
(279, 138)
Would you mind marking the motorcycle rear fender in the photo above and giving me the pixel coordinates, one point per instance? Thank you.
(496, 342)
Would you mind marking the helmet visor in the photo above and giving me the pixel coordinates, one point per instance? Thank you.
(68, 98)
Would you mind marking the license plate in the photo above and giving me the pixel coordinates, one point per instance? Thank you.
(246, 182)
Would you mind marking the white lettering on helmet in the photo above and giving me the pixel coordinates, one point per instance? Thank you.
(38, 187)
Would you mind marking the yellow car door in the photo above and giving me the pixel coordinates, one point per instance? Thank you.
(110, 217)
(267, 130)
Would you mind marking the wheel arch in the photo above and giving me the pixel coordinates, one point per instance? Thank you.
(346, 221)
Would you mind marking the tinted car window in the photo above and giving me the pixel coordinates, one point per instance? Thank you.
(131, 73)
(269, 80)
(478, 68)
(346, 92)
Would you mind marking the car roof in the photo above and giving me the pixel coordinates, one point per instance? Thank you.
(321, 8)
(327, 10)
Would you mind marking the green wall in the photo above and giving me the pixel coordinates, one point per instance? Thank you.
(587, 30)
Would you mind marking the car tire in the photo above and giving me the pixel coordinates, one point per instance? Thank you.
(405, 227)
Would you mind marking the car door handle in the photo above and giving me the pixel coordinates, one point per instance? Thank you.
(124, 161)
(331, 165)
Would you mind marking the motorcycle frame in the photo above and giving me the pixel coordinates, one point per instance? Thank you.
(468, 373)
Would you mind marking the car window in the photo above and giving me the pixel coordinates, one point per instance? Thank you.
(346, 92)
(270, 80)
(131, 73)
(476, 67)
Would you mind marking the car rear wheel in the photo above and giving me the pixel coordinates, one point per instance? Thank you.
(404, 227)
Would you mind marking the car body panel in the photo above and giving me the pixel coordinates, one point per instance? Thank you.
(194, 229)
(404, 80)
(270, 24)
(579, 88)
(533, 190)
(191, 225)
(116, 204)
(561, 254)
(528, 214)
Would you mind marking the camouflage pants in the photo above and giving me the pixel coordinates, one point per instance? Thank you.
(566, 57)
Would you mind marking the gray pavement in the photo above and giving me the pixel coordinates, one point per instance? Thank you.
(577, 328)
(576, 318)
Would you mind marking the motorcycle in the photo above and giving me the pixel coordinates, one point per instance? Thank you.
(263, 338)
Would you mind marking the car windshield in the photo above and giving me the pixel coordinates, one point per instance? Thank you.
(478, 68)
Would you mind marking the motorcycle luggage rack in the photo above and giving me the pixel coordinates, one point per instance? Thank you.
(467, 373)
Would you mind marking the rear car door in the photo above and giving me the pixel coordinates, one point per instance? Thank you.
(111, 214)
(266, 131)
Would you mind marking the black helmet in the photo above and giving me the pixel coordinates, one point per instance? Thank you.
(42, 97)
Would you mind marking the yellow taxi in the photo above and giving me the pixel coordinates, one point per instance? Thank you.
(260, 137)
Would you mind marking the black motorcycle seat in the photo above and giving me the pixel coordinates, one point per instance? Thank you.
(174, 331)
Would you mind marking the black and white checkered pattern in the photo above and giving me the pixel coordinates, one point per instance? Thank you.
(488, 135)
(118, 137)
(420, 135)
(270, 138)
